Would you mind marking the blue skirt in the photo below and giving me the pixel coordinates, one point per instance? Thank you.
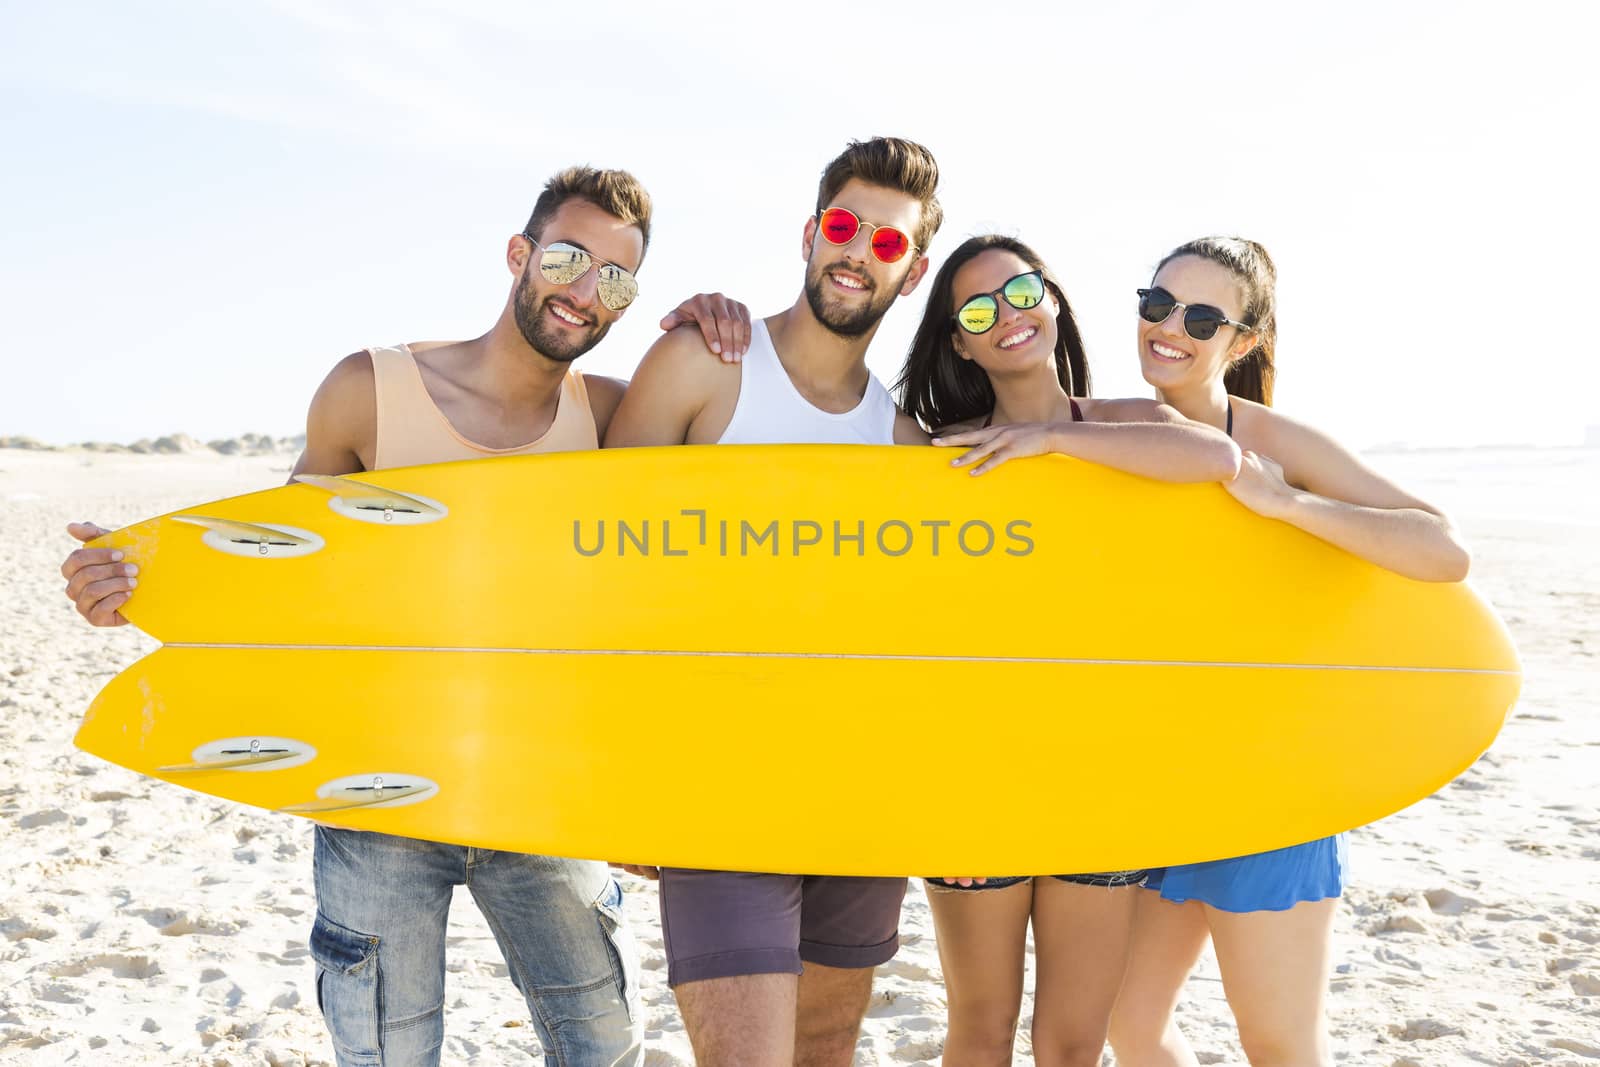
(1266, 881)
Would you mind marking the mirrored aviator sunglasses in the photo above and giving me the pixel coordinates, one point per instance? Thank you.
(839, 227)
(981, 312)
(563, 264)
(1200, 321)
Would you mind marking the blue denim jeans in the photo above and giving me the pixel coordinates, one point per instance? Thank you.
(379, 940)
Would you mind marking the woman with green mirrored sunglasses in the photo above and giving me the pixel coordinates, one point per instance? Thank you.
(998, 354)
(980, 312)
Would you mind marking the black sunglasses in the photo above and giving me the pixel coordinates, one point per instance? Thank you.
(1200, 321)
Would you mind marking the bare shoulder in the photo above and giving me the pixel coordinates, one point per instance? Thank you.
(683, 351)
(342, 424)
(349, 387)
(677, 392)
(1127, 409)
(1283, 437)
(605, 394)
(679, 369)
(907, 430)
(1312, 459)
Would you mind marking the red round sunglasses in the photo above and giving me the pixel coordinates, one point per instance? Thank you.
(840, 226)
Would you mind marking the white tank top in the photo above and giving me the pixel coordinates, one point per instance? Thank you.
(772, 411)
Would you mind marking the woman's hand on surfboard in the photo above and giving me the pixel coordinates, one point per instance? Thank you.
(652, 873)
(723, 322)
(1260, 485)
(98, 581)
(996, 444)
(965, 883)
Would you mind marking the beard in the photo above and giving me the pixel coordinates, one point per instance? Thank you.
(838, 318)
(552, 342)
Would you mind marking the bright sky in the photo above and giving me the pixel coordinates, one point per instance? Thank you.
(209, 204)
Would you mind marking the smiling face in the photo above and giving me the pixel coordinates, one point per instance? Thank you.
(1168, 356)
(562, 322)
(849, 288)
(1021, 340)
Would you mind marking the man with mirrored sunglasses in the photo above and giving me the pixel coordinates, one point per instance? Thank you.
(378, 938)
(776, 969)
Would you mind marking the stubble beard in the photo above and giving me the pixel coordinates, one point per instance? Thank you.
(552, 342)
(845, 322)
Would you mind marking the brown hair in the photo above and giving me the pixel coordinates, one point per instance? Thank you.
(893, 163)
(940, 388)
(616, 192)
(1252, 375)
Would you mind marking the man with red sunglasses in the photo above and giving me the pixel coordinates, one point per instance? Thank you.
(378, 938)
(776, 969)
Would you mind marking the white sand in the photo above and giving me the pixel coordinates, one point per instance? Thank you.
(145, 924)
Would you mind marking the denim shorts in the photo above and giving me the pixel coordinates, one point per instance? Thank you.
(1104, 879)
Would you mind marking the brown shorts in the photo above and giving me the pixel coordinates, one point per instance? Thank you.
(721, 924)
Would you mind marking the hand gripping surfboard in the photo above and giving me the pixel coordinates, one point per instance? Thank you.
(808, 658)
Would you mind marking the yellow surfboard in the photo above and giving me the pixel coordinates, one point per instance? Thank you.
(756, 657)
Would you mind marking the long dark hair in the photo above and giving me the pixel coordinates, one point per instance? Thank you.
(936, 385)
(1252, 375)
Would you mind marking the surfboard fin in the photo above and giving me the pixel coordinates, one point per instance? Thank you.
(372, 503)
(252, 539)
(247, 533)
(227, 761)
(356, 797)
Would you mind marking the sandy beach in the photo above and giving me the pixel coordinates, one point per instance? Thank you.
(146, 924)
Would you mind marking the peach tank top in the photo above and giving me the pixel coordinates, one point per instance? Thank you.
(412, 430)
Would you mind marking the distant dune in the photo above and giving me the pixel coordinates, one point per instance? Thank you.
(250, 444)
